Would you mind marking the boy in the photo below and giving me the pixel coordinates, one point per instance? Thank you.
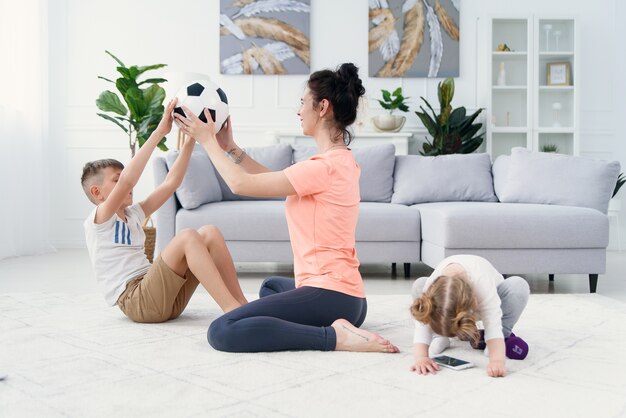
(115, 240)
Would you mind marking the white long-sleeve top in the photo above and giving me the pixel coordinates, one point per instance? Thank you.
(484, 279)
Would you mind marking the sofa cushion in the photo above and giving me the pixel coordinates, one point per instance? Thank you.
(512, 225)
(376, 162)
(275, 157)
(500, 171)
(557, 179)
(200, 184)
(265, 221)
(387, 222)
(444, 178)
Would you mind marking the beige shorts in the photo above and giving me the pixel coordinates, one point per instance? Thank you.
(157, 296)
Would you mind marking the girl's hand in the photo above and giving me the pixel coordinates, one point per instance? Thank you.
(496, 369)
(425, 365)
(225, 136)
(194, 127)
(165, 125)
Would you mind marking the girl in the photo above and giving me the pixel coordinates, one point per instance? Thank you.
(323, 307)
(462, 290)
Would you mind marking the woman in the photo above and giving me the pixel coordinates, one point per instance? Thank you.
(323, 307)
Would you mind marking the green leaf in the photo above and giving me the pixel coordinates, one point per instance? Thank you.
(162, 145)
(107, 117)
(115, 58)
(403, 108)
(386, 96)
(153, 97)
(105, 79)
(153, 80)
(397, 92)
(145, 68)
(135, 101)
(430, 107)
(133, 72)
(471, 145)
(385, 105)
(124, 84)
(125, 72)
(430, 125)
(456, 117)
(109, 102)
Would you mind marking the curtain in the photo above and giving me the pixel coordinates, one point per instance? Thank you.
(24, 199)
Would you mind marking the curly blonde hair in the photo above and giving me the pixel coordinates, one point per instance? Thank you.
(448, 306)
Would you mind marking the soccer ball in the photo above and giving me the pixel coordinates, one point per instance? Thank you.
(200, 94)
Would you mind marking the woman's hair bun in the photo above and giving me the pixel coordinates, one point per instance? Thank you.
(348, 74)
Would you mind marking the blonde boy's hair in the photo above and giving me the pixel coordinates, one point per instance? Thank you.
(448, 306)
(92, 174)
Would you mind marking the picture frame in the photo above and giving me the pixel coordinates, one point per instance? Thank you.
(558, 74)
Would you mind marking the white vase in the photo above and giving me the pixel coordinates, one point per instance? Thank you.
(388, 123)
(501, 81)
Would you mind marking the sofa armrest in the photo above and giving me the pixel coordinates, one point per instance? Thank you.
(166, 214)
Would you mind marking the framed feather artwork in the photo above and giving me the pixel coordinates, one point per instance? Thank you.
(264, 36)
(414, 38)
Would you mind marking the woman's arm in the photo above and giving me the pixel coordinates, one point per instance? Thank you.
(227, 143)
(267, 184)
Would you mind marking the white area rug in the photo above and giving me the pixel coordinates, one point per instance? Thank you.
(71, 356)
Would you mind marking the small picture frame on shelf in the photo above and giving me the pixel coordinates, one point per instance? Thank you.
(558, 74)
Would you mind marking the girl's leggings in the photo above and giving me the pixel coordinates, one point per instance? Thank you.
(286, 318)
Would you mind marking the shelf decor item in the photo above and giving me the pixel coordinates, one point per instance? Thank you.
(501, 81)
(452, 131)
(547, 28)
(556, 109)
(391, 102)
(550, 148)
(558, 74)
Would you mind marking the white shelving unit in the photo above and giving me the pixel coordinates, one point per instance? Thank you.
(524, 110)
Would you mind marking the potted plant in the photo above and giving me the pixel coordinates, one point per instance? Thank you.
(391, 102)
(452, 131)
(615, 204)
(142, 109)
(550, 148)
(138, 117)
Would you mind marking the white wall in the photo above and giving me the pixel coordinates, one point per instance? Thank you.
(185, 35)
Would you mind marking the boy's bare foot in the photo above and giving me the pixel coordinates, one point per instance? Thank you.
(351, 338)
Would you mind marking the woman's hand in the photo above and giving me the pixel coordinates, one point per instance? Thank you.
(225, 136)
(424, 365)
(165, 125)
(194, 127)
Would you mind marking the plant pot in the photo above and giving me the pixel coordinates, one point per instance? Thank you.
(388, 123)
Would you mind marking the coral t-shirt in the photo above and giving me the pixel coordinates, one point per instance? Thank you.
(322, 220)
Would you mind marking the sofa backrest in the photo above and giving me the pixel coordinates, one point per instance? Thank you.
(200, 184)
(555, 179)
(275, 157)
(376, 162)
(444, 178)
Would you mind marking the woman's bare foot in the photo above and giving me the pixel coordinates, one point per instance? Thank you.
(351, 338)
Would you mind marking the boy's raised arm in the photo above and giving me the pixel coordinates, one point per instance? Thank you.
(132, 172)
(173, 179)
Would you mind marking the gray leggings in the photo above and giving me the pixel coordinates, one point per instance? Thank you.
(513, 293)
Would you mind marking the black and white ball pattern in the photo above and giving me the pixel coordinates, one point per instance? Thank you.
(200, 94)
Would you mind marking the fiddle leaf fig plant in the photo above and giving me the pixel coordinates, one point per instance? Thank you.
(452, 131)
(140, 108)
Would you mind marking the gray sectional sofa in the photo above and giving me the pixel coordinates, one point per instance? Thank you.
(526, 213)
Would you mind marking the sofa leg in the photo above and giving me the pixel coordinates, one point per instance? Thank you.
(393, 269)
(407, 270)
(551, 277)
(593, 283)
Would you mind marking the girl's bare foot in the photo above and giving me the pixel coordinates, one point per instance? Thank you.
(351, 338)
